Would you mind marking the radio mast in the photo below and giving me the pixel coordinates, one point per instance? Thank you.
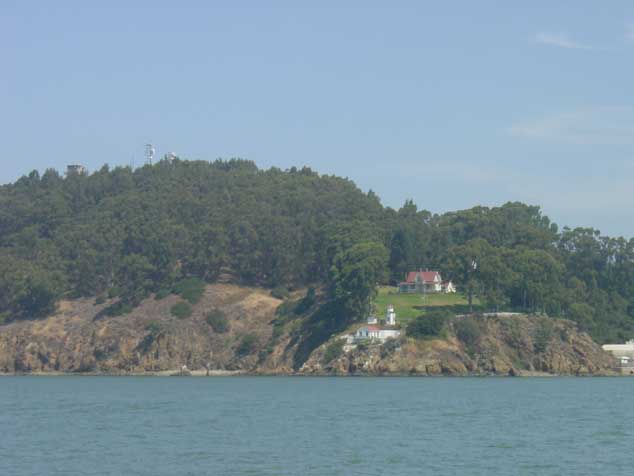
(149, 153)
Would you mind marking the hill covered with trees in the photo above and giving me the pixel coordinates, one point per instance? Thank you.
(127, 233)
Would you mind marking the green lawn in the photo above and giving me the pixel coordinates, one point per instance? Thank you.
(409, 306)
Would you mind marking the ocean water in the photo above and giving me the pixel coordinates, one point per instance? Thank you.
(316, 426)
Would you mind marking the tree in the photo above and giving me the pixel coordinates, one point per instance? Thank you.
(430, 324)
(401, 254)
(217, 320)
(355, 274)
(539, 275)
(462, 264)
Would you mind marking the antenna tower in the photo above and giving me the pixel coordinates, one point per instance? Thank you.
(149, 153)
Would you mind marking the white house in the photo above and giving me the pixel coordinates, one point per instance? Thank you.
(375, 333)
(425, 282)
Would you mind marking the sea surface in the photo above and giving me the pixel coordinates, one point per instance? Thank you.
(316, 426)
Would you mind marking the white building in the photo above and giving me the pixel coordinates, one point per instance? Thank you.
(372, 320)
(448, 287)
(75, 169)
(621, 350)
(390, 316)
(374, 333)
(425, 282)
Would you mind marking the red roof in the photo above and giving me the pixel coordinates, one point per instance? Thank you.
(373, 328)
(426, 276)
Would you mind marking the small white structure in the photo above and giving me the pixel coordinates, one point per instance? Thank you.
(621, 350)
(390, 316)
(75, 169)
(372, 320)
(624, 355)
(448, 287)
(374, 333)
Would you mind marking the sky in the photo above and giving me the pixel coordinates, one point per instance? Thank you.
(451, 104)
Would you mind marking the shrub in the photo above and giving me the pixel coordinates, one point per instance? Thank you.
(468, 331)
(286, 309)
(162, 294)
(118, 309)
(333, 351)
(427, 325)
(190, 289)
(100, 299)
(247, 345)
(280, 292)
(389, 347)
(307, 301)
(217, 320)
(153, 328)
(181, 310)
(114, 292)
(362, 346)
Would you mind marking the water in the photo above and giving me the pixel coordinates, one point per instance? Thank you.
(315, 426)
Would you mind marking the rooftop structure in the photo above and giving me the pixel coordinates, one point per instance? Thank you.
(75, 169)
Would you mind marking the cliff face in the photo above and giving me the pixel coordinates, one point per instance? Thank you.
(77, 339)
(497, 345)
(150, 339)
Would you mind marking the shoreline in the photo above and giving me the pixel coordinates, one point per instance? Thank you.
(240, 373)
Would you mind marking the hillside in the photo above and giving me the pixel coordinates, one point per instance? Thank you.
(515, 345)
(408, 306)
(78, 339)
(119, 236)
(261, 337)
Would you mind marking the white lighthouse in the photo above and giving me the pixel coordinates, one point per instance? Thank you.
(390, 316)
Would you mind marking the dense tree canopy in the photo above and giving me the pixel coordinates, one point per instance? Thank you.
(127, 233)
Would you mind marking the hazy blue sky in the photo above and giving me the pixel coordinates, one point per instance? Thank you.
(452, 104)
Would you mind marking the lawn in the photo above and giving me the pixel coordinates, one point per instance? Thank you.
(409, 306)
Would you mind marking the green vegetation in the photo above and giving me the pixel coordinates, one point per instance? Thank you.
(306, 302)
(248, 344)
(468, 331)
(153, 327)
(181, 310)
(280, 292)
(217, 320)
(119, 308)
(410, 305)
(429, 325)
(190, 289)
(162, 294)
(333, 351)
(178, 224)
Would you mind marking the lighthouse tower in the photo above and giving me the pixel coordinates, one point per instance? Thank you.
(390, 316)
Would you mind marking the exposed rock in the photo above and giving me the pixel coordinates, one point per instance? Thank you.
(508, 345)
(149, 339)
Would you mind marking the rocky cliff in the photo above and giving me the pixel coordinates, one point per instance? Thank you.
(488, 345)
(78, 338)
